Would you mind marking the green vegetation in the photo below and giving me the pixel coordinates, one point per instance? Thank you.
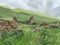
(28, 37)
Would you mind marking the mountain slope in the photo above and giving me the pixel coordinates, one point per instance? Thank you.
(47, 36)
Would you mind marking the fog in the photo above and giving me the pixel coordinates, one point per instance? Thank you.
(50, 7)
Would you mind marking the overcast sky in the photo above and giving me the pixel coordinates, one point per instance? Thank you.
(23, 3)
(44, 6)
(15, 3)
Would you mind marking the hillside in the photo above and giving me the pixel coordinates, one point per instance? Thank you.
(47, 36)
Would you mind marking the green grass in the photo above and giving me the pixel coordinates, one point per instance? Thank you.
(48, 36)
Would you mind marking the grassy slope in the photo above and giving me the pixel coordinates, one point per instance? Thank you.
(51, 36)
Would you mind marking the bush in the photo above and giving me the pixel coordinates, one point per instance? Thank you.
(9, 38)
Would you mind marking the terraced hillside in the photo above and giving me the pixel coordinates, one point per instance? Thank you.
(28, 36)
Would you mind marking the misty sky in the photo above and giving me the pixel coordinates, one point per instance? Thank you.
(44, 6)
(23, 3)
(15, 3)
